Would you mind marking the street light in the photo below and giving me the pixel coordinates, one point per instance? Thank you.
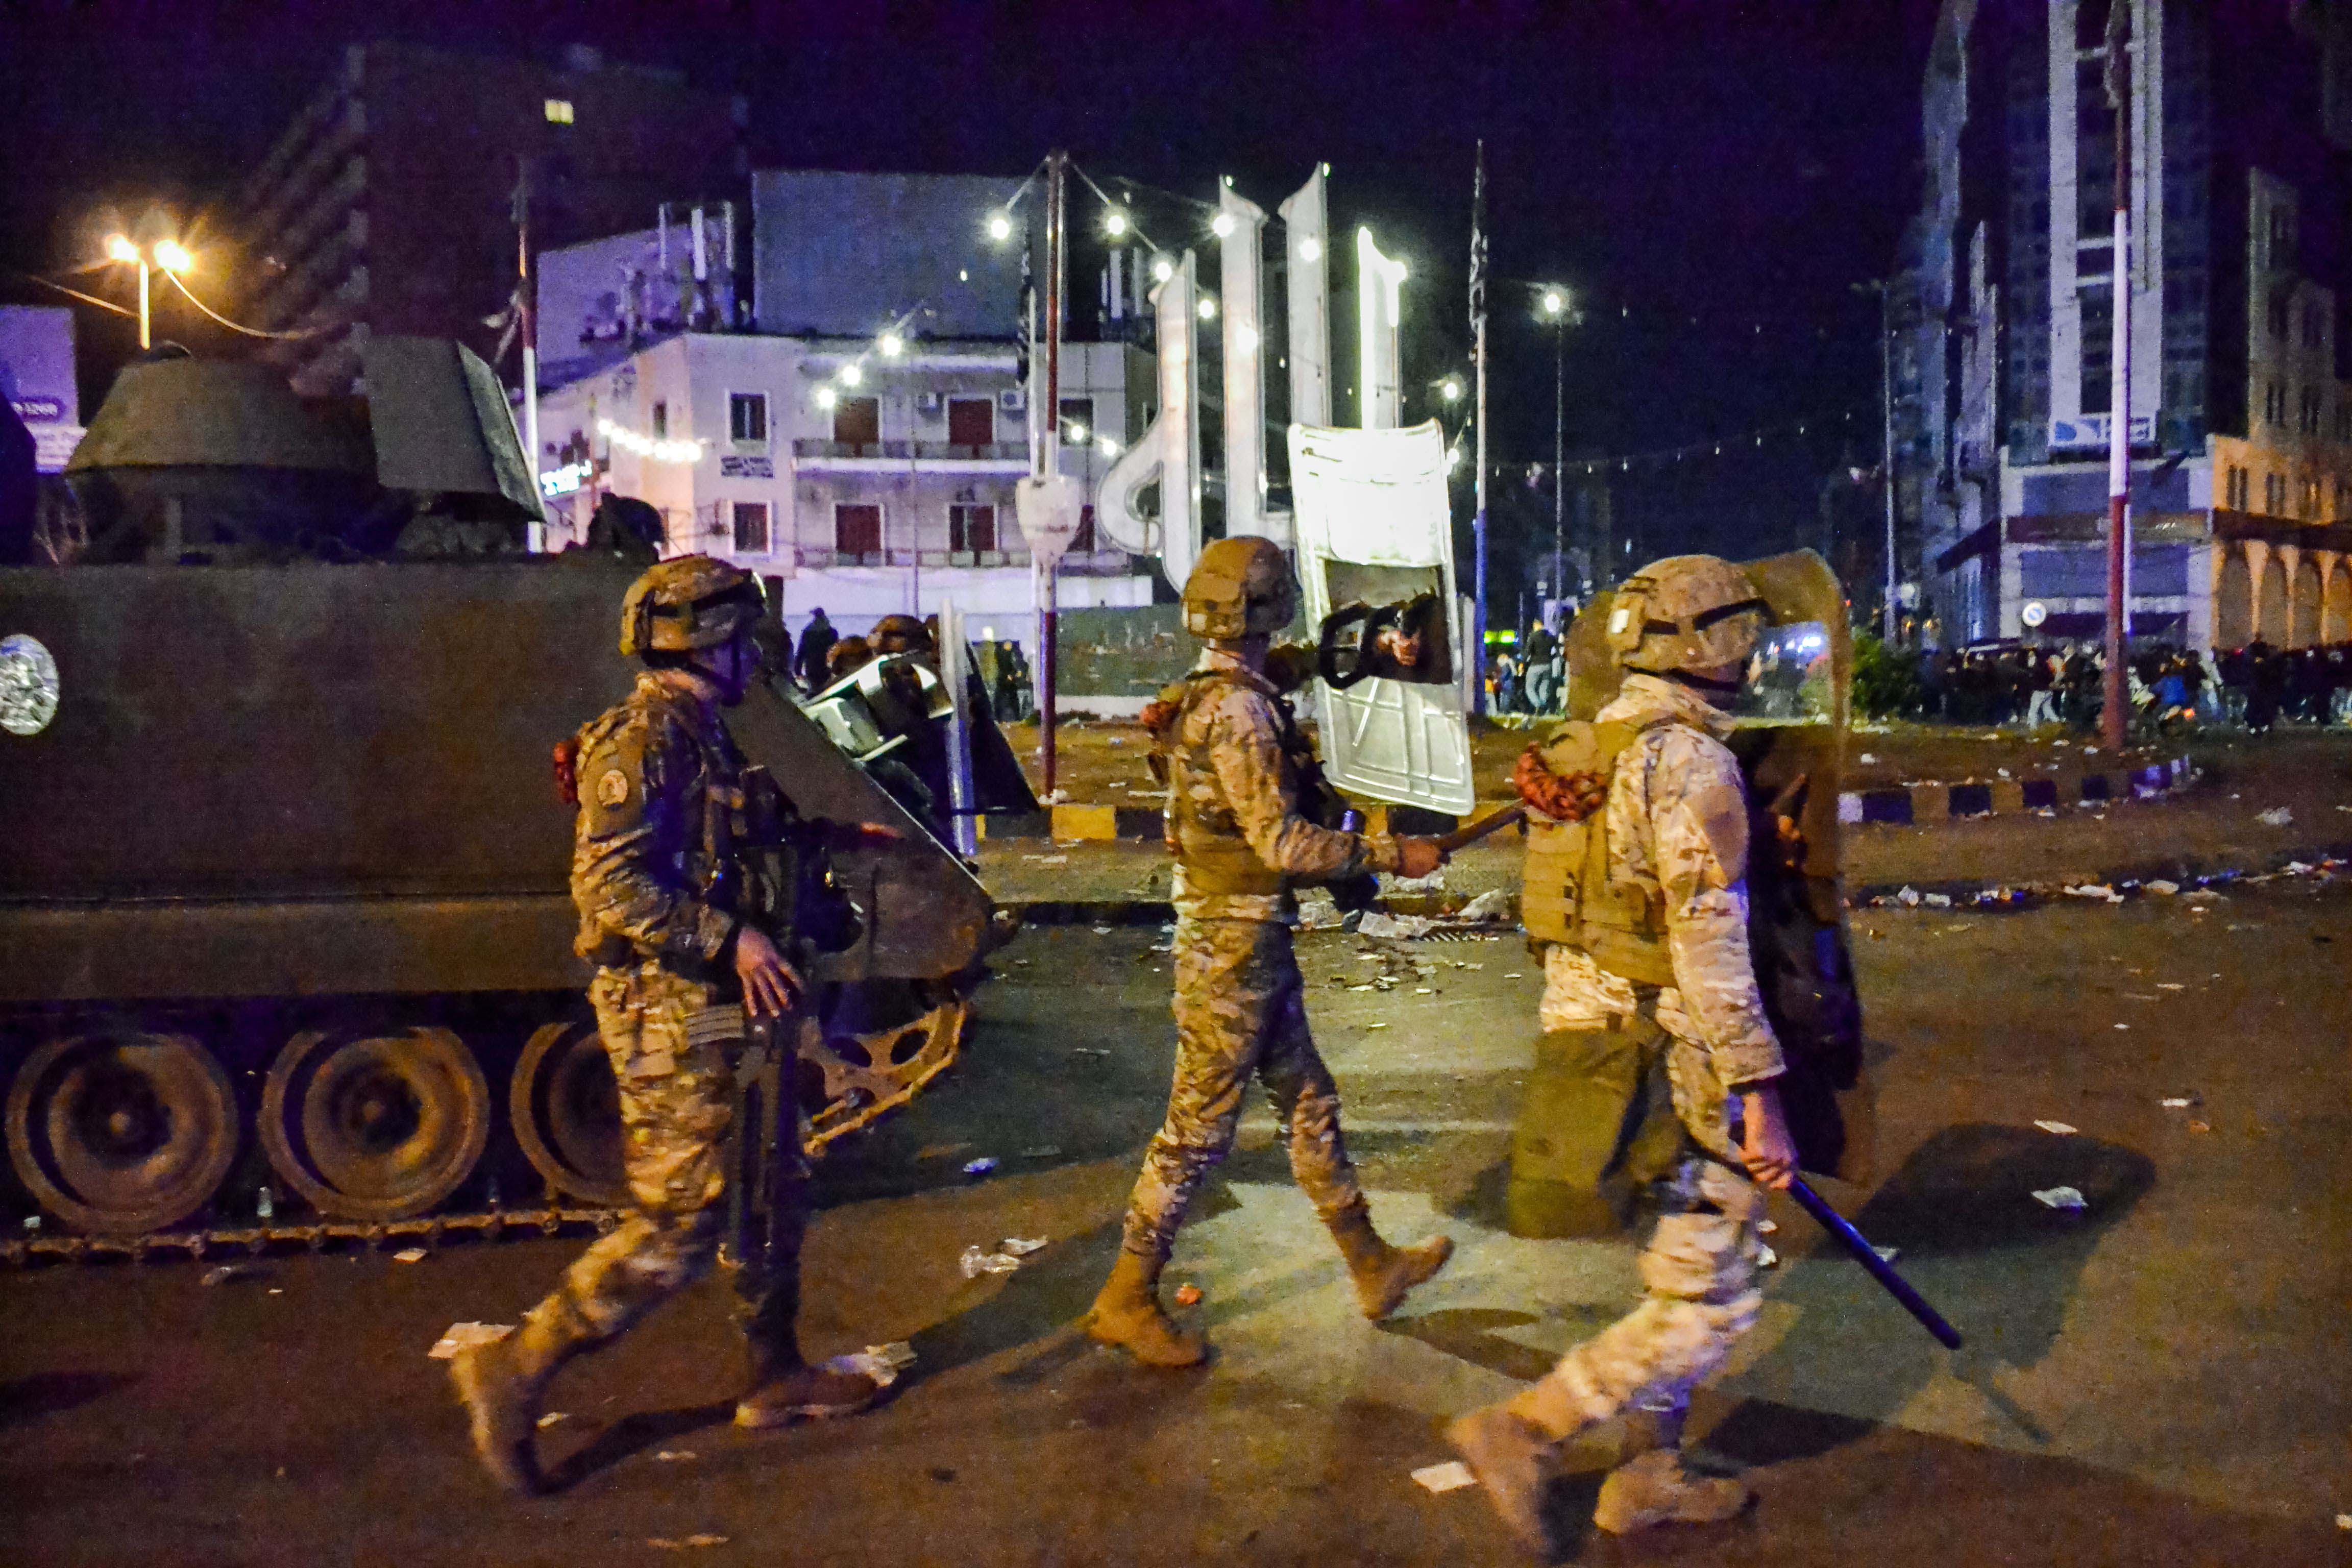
(999, 227)
(168, 254)
(1114, 224)
(1553, 307)
(1450, 389)
(892, 345)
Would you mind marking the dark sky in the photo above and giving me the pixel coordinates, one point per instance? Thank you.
(1741, 165)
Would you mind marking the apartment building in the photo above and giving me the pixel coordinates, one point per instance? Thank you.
(2238, 277)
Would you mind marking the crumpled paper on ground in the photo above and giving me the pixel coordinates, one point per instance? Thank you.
(2067, 1198)
(457, 1336)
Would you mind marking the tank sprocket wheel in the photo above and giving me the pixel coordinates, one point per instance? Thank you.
(567, 1114)
(374, 1126)
(865, 1072)
(120, 1132)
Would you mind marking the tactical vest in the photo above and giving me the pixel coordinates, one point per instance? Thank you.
(1205, 838)
(1569, 896)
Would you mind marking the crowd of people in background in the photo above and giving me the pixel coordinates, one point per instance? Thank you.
(2170, 687)
(823, 657)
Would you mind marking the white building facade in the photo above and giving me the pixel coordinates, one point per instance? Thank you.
(862, 481)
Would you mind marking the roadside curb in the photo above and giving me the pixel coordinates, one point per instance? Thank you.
(1901, 805)
(1918, 803)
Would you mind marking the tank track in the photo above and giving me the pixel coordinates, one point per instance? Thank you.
(256, 1240)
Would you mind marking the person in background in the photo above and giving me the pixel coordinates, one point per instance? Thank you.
(816, 642)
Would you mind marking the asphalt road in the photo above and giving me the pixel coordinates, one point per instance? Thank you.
(2159, 1380)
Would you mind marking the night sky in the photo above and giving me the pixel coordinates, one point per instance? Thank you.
(1708, 179)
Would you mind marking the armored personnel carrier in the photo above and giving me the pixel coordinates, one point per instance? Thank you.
(285, 932)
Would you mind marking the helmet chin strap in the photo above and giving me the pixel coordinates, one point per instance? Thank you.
(1698, 682)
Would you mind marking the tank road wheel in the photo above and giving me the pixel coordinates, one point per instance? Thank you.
(117, 1133)
(375, 1127)
(567, 1114)
(856, 1068)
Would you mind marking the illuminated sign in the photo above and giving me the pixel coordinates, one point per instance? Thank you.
(562, 481)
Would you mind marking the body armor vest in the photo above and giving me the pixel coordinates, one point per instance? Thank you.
(1569, 896)
(1206, 839)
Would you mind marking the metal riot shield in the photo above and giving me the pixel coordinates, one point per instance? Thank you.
(1790, 740)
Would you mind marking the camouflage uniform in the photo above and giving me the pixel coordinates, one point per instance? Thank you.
(1678, 815)
(655, 775)
(1240, 1003)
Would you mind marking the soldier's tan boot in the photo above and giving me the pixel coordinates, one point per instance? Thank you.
(1657, 1488)
(1511, 1456)
(502, 1382)
(1127, 1314)
(785, 1389)
(1383, 1274)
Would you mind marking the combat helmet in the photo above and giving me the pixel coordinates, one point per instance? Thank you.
(900, 634)
(1685, 613)
(687, 601)
(1240, 587)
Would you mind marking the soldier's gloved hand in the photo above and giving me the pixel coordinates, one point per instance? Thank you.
(1563, 798)
(1766, 1146)
(770, 985)
(1418, 856)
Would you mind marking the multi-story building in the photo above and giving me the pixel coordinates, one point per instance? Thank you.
(389, 204)
(895, 493)
(2238, 274)
(861, 444)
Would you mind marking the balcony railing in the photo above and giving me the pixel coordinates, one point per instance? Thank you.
(1080, 564)
(912, 451)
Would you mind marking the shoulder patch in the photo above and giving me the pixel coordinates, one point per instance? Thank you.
(612, 789)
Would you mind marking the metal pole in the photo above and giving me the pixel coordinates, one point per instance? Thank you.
(955, 668)
(1892, 622)
(145, 339)
(526, 323)
(1050, 453)
(1478, 330)
(1558, 451)
(2114, 696)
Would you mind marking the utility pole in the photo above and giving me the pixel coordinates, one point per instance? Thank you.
(1894, 618)
(2114, 695)
(1478, 334)
(1049, 452)
(527, 325)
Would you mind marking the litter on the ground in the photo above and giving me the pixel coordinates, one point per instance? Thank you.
(1451, 1476)
(1401, 928)
(2161, 885)
(1937, 900)
(1187, 1295)
(1432, 883)
(1042, 1151)
(882, 1364)
(2176, 1103)
(676, 1456)
(1768, 1226)
(2058, 1127)
(457, 1336)
(1866, 759)
(1376, 1026)
(2170, 985)
(1102, 930)
(976, 1263)
(2060, 1198)
(1089, 1051)
(2343, 1521)
(409, 1254)
(222, 1273)
(1492, 906)
(2123, 1026)
(2200, 1127)
(2095, 890)
(1048, 860)
(1887, 1254)
(1766, 1259)
(980, 1167)
(1015, 1247)
(2276, 817)
(1909, 898)
(663, 1544)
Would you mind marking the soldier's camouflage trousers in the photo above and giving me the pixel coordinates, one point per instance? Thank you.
(669, 1045)
(1241, 1009)
(1699, 1275)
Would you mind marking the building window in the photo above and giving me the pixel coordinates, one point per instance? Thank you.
(750, 528)
(2344, 500)
(2309, 510)
(2307, 413)
(2315, 327)
(2281, 313)
(2236, 487)
(971, 528)
(747, 416)
(661, 421)
(2273, 403)
(857, 422)
(2274, 494)
(558, 111)
(971, 421)
(858, 529)
(2344, 421)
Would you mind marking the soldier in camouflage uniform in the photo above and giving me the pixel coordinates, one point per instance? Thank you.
(1659, 952)
(675, 969)
(1244, 792)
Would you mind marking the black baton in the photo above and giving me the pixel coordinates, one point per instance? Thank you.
(1836, 1224)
